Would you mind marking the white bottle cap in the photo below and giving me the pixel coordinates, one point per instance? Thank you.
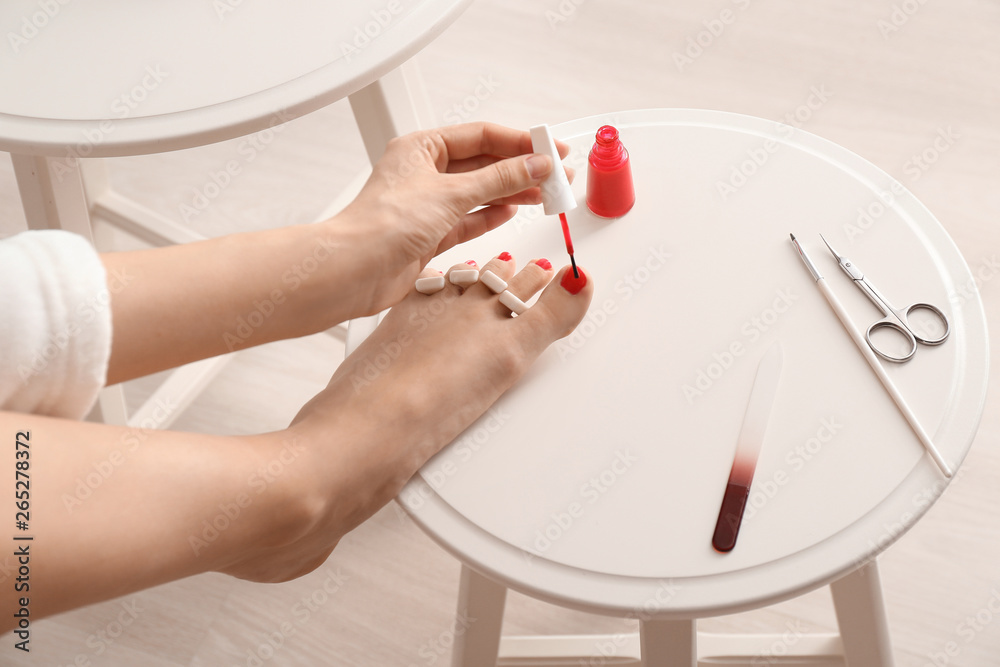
(557, 195)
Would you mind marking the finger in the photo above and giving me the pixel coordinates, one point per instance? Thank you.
(476, 224)
(470, 139)
(500, 179)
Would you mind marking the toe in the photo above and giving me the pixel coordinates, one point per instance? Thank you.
(494, 275)
(559, 308)
(463, 275)
(530, 279)
(429, 281)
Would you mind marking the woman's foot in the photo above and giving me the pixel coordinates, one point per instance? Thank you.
(434, 365)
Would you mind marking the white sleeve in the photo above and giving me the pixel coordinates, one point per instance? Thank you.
(55, 324)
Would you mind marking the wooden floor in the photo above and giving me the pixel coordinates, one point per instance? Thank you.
(890, 94)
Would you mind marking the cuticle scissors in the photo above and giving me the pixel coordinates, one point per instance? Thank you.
(895, 318)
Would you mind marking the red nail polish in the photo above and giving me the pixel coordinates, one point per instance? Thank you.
(610, 191)
(505, 256)
(472, 262)
(571, 284)
(544, 263)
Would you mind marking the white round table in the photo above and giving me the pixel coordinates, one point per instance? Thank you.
(106, 79)
(595, 483)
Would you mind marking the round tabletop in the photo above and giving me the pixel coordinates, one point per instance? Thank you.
(107, 78)
(596, 481)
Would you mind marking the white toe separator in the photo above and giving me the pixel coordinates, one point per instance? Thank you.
(493, 281)
(510, 300)
(430, 285)
(464, 277)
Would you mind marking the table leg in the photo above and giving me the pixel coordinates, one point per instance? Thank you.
(861, 616)
(669, 643)
(54, 196)
(479, 620)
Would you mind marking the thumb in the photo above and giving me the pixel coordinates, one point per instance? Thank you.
(505, 177)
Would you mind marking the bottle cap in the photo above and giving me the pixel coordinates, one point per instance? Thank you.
(557, 195)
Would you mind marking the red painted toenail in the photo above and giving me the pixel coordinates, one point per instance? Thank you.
(544, 263)
(571, 284)
(505, 256)
(472, 262)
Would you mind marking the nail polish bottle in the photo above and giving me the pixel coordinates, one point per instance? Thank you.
(610, 192)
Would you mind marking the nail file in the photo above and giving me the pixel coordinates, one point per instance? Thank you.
(765, 388)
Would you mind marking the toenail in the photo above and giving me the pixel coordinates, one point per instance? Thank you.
(544, 263)
(510, 300)
(505, 256)
(572, 284)
(492, 281)
(464, 277)
(430, 285)
(472, 262)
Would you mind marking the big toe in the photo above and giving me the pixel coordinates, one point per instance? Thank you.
(559, 309)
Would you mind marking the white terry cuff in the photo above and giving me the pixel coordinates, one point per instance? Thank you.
(55, 324)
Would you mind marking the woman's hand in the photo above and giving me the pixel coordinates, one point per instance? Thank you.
(418, 200)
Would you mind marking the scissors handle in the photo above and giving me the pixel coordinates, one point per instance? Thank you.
(898, 320)
(916, 330)
(891, 322)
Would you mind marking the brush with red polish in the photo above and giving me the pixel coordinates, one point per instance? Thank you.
(557, 195)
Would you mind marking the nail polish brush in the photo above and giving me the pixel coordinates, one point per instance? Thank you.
(557, 195)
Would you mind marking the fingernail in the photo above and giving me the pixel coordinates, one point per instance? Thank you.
(505, 256)
(544, 263)
(472, 262)
(571, 284)
(538, 165)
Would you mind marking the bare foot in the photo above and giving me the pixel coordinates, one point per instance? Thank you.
(435, 364)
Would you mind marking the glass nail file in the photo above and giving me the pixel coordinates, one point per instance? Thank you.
(748, 445)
